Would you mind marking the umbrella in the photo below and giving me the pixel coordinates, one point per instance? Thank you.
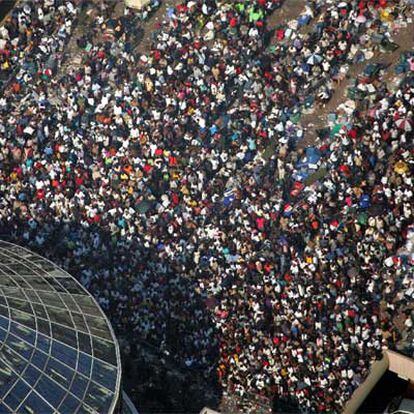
(144, 206)
(363, 218)
(314, 59)
(28, 130)
(364, 201)
(170, 12)
(283, 241)
(401, 167)
(353, 272)
(295, 118)
(404, 124)
(211, 302)
(361, 19)
(297, 43)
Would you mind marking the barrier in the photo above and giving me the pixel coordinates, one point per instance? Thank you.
(391, 361)
(377, 370)
(401, 365)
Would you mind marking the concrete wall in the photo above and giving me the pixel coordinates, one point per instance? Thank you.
(136, 4)
(401, 365)
(377, 370)
(392, 361)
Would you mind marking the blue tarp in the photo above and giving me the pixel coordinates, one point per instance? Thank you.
(304, 20)
(228, 198)
(313, 155)
(308, 164)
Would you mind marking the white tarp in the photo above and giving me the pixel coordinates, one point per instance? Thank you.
(136, 4)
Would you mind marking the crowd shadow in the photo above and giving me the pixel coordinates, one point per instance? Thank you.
(285, 405)
(164, 371)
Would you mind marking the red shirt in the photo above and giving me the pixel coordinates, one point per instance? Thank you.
(260, 221)
(233, 22)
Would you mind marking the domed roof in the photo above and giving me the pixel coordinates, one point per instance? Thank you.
(58, 352)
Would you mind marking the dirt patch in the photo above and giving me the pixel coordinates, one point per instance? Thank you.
(311, 122)
(290, 10)
(152, 23)
(72, 55)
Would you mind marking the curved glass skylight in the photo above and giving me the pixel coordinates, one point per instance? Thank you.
(58, 353)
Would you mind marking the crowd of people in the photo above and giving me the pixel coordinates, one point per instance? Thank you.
(167, 183)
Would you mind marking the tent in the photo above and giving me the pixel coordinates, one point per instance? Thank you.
(314, 59)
